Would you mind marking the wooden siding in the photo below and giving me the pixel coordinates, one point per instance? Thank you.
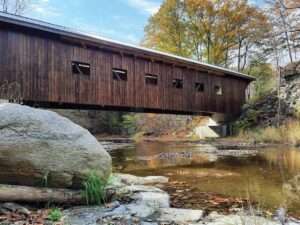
(41, 64)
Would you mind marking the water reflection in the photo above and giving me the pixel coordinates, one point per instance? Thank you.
(259, 175)
(287, 160)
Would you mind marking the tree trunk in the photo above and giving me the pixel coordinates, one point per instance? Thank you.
(208, 48)
(245, 57)
(285, 26)
(240, 45)
(12, 193)
(4, 5)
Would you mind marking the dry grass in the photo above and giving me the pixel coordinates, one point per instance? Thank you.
(292, 132)
(288, 133)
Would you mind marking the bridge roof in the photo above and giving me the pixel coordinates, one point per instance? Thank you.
(75, 33)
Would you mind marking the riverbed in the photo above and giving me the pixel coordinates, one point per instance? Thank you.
(201, 174)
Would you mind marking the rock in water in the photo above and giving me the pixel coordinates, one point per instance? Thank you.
(41, 148)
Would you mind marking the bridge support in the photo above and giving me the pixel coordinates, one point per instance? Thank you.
(214, 126)
(3, 101)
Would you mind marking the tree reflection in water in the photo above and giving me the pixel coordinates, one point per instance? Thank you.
(259, 176)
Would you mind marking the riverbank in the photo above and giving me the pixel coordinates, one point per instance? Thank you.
(140, 201)
(220, 143)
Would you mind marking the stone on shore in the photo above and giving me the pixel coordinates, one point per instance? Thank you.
(41, 148)
(153, 199)
(142, 210)
(130, 179)
(180, 215)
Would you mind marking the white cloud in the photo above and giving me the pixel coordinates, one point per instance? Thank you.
(146, 6)
(80, 24)
(131, 38)
(43, 9)
(103, 31)
(46, 10)
(119, 35)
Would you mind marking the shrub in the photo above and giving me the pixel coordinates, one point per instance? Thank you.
(129, 124)
(94, 189)
(249, 120)
(55, 215)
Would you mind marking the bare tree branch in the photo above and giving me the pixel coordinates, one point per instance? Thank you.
(16, 7)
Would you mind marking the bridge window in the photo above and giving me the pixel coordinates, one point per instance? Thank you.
(81, 68)
(199, 87)
(119, 74)
(151, 79)
(218, 90)
(177, 83)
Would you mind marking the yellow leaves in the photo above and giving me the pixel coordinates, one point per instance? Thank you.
(166, 30)
(211, 28)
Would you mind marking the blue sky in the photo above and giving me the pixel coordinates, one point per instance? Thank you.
(122, 20)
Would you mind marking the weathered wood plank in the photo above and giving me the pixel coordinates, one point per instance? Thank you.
(42, 64)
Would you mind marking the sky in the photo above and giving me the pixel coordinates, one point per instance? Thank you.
(121, 20)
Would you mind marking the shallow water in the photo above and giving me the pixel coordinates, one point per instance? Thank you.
(256, 174)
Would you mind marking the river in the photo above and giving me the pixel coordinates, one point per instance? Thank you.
(198, 170)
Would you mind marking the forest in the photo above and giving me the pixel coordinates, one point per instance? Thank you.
(254, 39)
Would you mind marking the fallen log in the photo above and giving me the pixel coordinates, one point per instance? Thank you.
(14, 193)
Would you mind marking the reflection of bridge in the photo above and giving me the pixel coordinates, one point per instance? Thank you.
(58, 67)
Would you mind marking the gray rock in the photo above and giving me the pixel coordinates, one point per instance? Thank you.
(124, 214)
(121, 210)
(13, 207)
(153, 199)
(292, 69)
(124, 190)
(141, 210)
(39, 147)
(180, 215)
(264, 111)
(130, 179)
(83, 215)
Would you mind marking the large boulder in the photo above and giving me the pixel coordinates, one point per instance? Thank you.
(41, 148)
(292, 69)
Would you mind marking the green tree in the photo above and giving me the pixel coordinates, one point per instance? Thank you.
(265, 76)
(129, 123)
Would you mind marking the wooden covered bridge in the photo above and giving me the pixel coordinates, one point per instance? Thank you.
(52, 66)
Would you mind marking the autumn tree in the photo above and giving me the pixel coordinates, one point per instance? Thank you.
(251, 30)
(219, 32)
(167, 29)
(16, 7)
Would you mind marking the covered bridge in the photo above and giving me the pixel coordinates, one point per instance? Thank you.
(52, 66)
